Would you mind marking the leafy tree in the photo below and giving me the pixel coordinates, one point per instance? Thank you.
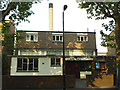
(16, 12)
(104, 10)
(108, 40)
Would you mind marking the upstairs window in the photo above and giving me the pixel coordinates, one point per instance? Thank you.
(27, 64)
(58, 38)
(55, 62)
(32, 36)
(82, 38)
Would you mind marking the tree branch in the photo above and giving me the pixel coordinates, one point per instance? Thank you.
(116, 13)
(10, 7)
(108, 11)
(106, 14)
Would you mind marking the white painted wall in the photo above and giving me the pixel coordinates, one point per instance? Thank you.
(67, 53)
(44, 68)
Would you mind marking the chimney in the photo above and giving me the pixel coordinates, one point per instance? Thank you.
(50, 17)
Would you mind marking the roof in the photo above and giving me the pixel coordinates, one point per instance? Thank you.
(54, 31)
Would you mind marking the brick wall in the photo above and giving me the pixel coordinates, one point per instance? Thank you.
(35, 82)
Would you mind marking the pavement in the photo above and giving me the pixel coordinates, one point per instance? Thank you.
(69, 89)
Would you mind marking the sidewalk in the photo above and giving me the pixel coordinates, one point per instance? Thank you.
(70, 89)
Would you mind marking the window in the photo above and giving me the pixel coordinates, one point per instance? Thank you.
(27, 64)
(100, 65)
(82, 38)
(57, 38)
(32, 37)
(55, 62)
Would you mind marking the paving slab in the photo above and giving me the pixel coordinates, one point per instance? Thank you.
(69, 89)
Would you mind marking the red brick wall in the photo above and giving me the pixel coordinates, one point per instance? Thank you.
(35, 82)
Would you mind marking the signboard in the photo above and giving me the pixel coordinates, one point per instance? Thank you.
(97, 64)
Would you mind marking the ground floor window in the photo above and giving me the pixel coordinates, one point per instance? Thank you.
(27, 64)
(55, 62)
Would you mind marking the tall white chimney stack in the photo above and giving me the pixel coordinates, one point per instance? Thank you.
(50, 17)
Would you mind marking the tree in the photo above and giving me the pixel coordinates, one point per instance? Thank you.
(16, 12)
(108, 40)
(104, 10)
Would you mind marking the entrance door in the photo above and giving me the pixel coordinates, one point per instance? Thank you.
(72, 68)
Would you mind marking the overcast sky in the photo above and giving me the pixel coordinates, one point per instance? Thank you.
(75, 19)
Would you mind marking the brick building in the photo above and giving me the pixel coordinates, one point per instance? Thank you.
(44, 49)
(38, 59)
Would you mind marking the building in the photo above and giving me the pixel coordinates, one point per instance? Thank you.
(44, 49)
(39, 58)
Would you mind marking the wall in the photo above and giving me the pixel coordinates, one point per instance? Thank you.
(103, 77)
(99, 78)
(37, 82)
(43, 69)
(111, 51)
(56, 52)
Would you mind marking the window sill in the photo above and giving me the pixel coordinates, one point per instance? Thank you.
(26, 71)
(32, 41)
(57, 41)
(82, 41)
(55, 66)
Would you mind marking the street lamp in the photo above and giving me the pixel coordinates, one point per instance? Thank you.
(64, 84)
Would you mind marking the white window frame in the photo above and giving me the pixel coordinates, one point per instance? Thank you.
(83, 38)
(56, 38)
(35, 37)
(35, 69)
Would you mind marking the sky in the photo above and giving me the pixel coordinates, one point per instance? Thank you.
(75, 19)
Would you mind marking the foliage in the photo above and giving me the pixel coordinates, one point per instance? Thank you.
(9, 36)
(100, 10)
(108, 40)
(16, 12)
(103, 10)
